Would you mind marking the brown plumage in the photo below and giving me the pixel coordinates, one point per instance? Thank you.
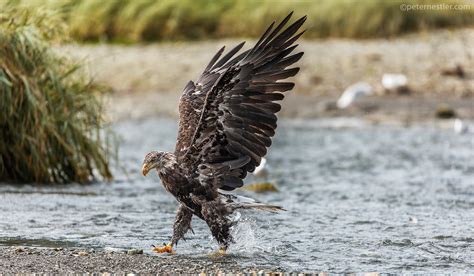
(227, 119)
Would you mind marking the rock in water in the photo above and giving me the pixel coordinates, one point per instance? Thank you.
(456, 71)
(261, 187)
(460, 127)
(395, 83)
(353, 93)
(135, 251)
(445, 112)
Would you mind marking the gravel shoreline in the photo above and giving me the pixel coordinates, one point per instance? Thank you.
(74, 260)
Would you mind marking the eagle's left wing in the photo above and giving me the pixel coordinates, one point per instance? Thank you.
(191, 103)
(238, 118)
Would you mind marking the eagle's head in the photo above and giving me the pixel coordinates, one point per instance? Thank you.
(157, 160)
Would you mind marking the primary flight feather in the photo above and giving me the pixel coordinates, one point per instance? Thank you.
(227, 119)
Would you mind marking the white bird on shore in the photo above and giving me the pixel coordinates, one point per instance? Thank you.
(353, 93)
(394, 82)
(460, 127)
(261, 171)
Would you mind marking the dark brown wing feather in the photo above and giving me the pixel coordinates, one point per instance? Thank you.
(225, 131)
(192, 100)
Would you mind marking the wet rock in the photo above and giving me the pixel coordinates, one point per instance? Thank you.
(468, 239)
(112, 250)
(456, 71)
(445, 112)
(354, 93)
(395, 83)
(134, 251)
(442, 237)
(460, 127)
(19, 250)
(261, 187)
(326, 105)
(404, 242)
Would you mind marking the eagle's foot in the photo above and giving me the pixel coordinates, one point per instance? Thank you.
(166, 248)
(219, 253)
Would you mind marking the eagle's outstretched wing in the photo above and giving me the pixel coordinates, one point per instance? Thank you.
(227, 118)
(192, 100)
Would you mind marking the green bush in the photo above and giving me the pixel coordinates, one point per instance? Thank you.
(51, 125)
(152, 20)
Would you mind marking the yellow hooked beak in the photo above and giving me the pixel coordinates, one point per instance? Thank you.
(145, 169)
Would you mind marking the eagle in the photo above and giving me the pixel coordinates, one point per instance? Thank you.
(226, 120)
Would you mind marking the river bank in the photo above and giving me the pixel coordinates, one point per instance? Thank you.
(147, 80)
(14, 259)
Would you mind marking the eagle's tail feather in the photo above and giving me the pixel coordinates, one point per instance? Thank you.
(243, 202)
(263, 207)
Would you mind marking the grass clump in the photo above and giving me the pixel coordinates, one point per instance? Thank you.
(346, 18)
(51, 124)
(151, 20)
(145, 20)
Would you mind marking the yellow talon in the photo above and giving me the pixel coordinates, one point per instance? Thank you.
(165, 249)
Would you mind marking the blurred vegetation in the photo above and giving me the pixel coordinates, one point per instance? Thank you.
(151, 20)
(51, 125)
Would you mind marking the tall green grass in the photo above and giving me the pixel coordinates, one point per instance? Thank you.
(152, 20)
(51, 125)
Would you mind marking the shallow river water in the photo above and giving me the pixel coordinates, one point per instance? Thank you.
(359, 199)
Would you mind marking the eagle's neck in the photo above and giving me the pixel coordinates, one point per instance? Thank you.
(167, 163)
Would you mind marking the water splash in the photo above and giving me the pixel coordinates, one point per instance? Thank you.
(248, 238)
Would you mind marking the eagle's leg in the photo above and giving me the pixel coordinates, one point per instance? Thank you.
(181, 225)
(216, 218)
